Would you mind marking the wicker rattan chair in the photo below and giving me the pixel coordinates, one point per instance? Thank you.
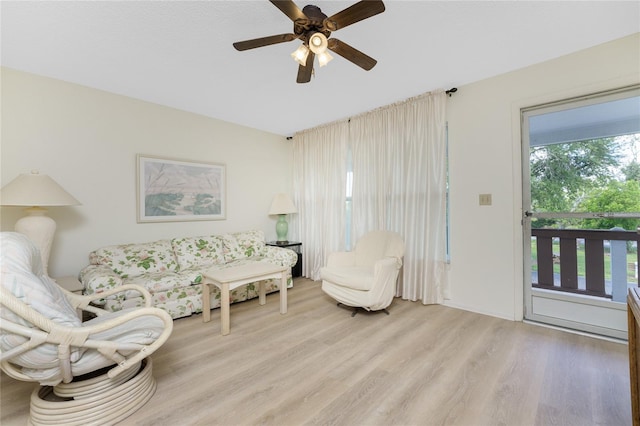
(97, 371)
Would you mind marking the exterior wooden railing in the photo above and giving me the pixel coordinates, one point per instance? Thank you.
(594, 252)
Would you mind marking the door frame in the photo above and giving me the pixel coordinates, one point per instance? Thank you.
(541, 305)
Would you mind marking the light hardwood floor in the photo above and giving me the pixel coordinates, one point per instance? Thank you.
(421, 365)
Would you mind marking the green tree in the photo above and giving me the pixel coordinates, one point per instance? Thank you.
(632, 171)
(563, 174)
(615, 197)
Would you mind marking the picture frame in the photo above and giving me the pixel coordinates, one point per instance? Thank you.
(172, 190)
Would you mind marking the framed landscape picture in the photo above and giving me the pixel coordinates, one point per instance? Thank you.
(176, 190)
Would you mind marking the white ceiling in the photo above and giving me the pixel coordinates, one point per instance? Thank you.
(180, 54)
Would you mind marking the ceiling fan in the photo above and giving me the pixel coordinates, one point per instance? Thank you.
(314, 29)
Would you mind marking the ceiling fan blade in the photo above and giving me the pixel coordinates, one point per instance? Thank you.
(351, 54)
(304, 72)
(362, 10)
(289, 8)
(263, 41)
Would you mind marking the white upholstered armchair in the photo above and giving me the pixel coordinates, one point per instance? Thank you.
(96, 371)
(365, 277)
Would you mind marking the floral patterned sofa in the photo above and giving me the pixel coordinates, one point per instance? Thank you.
(171, 270)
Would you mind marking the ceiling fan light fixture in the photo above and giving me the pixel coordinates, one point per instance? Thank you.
(324, 58)
(300, 55)
(313, 28)
(318, 43)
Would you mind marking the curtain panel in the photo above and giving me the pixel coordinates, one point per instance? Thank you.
(319, 176)
(398, 159)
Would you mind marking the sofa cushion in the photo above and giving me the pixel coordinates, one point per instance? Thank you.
(192, 252)
(243, 244)
(130, 260)
(159, 281)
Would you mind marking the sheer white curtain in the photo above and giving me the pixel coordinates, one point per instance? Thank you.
(319, 182)
(399, 184)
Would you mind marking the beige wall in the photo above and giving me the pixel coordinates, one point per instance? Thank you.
(87, 140)
(486, 272)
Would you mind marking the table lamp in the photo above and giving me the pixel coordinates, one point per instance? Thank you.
(36, 191)
(282, 205)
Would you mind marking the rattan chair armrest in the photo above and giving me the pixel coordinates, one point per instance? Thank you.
(84, 301)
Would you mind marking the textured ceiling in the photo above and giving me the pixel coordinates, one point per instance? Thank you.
(180, 54)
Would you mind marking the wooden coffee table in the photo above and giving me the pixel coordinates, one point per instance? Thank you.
(230, 278)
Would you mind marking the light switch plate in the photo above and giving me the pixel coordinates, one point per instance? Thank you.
(484, 199)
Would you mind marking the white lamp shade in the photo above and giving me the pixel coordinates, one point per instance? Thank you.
(282, 204)
(300, 55)
(34, 189)
(324, 58)
(318, 43)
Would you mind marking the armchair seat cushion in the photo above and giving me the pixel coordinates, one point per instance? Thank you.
(354, 277)
(142, 330)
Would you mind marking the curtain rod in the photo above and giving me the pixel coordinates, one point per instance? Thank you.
(448, 92)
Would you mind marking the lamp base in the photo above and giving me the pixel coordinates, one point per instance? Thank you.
(39, 228)
(282, 228)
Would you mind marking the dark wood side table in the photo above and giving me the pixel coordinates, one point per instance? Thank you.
(296, 246)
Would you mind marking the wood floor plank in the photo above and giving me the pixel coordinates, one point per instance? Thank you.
(421, 365)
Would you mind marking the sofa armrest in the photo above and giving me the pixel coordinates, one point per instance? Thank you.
(99, 278)
(281, 256)
(341, 258)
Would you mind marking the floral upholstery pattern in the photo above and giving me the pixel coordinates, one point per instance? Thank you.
(243, 244)
(175, 269)
(99, 278)
(136, 259)
(198, 251)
